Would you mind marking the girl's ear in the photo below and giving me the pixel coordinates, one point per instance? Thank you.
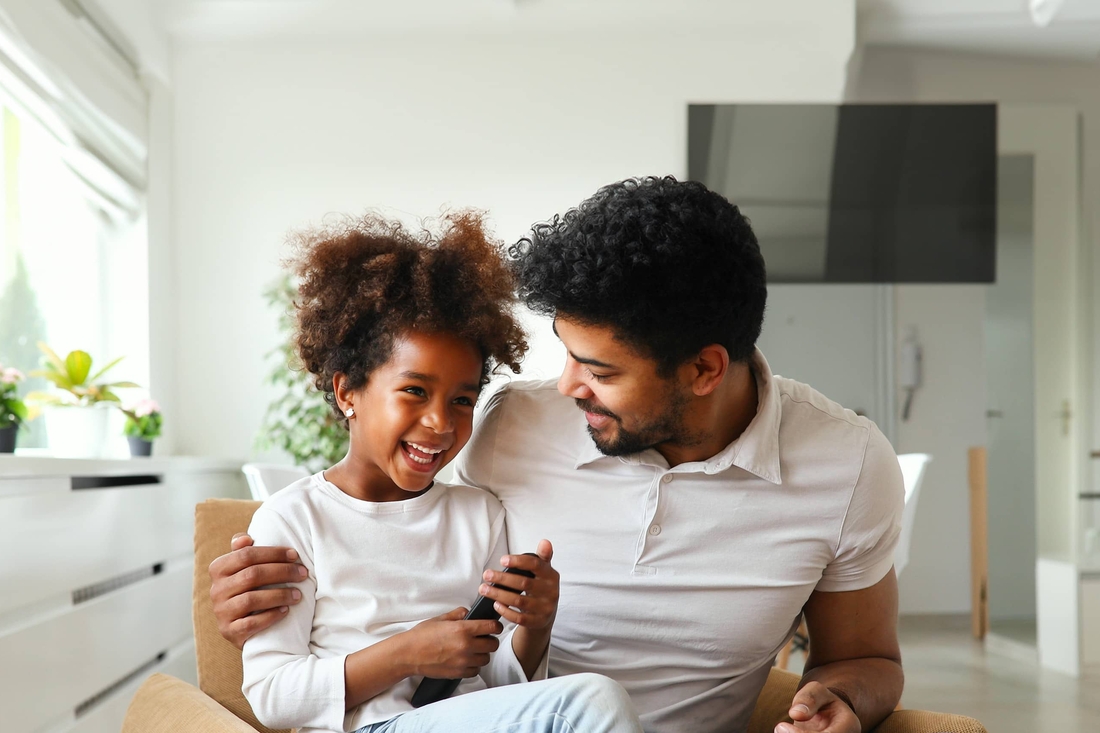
(340, 390)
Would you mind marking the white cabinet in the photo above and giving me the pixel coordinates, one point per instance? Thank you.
(96, 578)
(1090, 619)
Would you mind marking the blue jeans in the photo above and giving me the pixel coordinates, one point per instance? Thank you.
(576, 703)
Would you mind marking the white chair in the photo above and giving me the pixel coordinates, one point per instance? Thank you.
(264, 479)
(913, 467)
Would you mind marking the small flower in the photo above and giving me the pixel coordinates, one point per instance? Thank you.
(145, 407)
(11, 375)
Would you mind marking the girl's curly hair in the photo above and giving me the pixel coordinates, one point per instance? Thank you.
(363, 282)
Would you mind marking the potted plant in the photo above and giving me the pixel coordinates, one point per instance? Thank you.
(13, 411)
(76, 414)
(143, 425)
(298, 421)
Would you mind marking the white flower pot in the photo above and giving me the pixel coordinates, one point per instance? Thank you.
(77, 432)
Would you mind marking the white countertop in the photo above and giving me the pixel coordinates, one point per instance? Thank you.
(18, 466)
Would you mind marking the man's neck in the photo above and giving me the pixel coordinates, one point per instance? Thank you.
(718, 419)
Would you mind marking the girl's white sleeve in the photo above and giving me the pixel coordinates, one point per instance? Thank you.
(286, 685)
(504, 667)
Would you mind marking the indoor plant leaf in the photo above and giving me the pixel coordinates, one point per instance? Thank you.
(106, 395)
(43, 398)
(60, 379)
(77, 365)
(52, 357)
(106, 369)
(17, 408)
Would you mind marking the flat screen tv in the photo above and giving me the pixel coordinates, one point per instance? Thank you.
(857, 193)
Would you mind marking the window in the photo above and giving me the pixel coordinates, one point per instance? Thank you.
(73, 253)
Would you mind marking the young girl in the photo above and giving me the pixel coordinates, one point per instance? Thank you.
(400, 332)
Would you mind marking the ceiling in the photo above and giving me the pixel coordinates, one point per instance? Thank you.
(204, 18)
(1004, 27)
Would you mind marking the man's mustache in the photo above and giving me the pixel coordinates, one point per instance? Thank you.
(589, 407)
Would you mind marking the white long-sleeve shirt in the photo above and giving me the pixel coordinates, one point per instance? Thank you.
(375, 570)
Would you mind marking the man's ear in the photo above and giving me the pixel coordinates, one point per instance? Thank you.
(708, 369)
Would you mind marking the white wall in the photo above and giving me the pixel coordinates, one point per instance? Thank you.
(272, 134)
(947, 417)
(163, 304)
(835, 338)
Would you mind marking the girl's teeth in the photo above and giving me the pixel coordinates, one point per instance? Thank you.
(418, 459)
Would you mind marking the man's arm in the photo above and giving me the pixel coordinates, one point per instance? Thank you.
(854, 661)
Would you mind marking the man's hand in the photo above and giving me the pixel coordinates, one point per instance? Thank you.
(242, 609)
(447, 647)
(817, 708)
(536, 609)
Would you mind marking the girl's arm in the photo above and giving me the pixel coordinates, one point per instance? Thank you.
(444, 647)
(286, 685)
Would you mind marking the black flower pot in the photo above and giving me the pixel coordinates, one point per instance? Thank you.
(139, 446)
(7, 439)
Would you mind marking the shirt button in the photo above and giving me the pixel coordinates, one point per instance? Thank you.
(655, 530)
(667, 479)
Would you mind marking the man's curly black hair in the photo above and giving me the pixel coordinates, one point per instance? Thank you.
(669, 265)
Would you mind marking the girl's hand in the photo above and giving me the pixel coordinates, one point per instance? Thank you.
(536, 607)
(447, 647)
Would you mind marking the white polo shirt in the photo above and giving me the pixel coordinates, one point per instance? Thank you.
(683, 583)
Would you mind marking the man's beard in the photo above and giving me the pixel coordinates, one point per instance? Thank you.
(667, 427)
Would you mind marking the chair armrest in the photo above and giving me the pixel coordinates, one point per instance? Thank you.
(775, 699)
(164, 704)
(922, 721)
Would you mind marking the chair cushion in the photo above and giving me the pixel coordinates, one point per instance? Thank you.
(219, 662)
(164, 704)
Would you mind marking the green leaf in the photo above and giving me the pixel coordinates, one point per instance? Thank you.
(106, 395)
(60, 379)
(43, 398)
(106, 369)
(77, 365)
(51, 357)
(121, 385)
(17, 408)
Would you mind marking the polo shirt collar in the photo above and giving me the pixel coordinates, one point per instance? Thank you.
(756, 450)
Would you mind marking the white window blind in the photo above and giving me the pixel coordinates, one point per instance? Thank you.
(60, 70)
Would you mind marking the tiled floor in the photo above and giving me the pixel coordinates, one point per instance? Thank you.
(947, 670)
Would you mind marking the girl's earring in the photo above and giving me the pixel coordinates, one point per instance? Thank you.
(350, 412)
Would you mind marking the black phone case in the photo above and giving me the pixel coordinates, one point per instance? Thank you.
(433, 690)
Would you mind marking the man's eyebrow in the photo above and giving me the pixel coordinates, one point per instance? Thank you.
(581, 359)
(591, 362)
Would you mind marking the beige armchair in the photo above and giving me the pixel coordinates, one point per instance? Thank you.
(164, 703)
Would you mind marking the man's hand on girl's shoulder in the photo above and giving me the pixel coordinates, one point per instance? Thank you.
(243, 605)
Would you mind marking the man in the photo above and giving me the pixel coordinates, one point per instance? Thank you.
(698, 504)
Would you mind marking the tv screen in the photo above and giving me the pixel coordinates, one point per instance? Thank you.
(857, 193)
